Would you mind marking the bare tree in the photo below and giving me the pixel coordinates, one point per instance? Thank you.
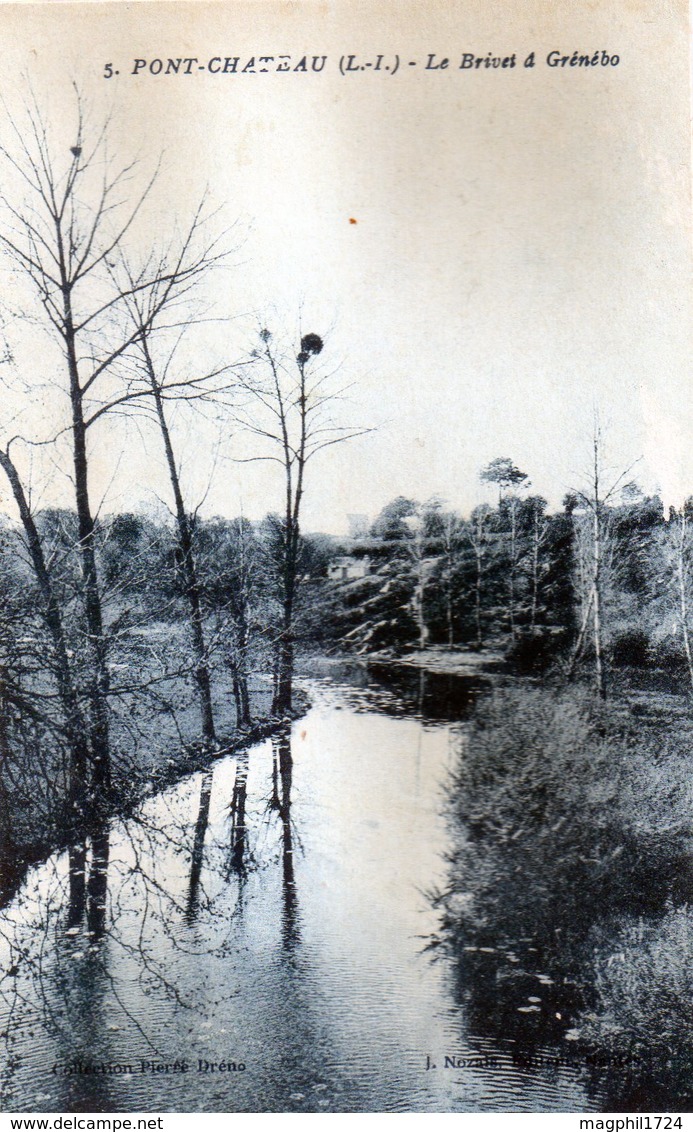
(62, 239)
(288, 410)
(68, 215)
(452, 529)
(478, 536)
(153, 297)
(75, 729)
(238, 617)
(677, 548)
(538, 535)
(509, 479)
(683, 577)
(598, 559)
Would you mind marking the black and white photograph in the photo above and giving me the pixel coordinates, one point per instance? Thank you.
(346, 557)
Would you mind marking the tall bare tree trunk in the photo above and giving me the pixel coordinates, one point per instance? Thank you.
(581, 635)
(8, 867)
(188, 565)
(285, 659)
(243, 700)
(74, 721)
(535, 572)
(599, 672)
(683, 596)
(512, 505)
(283, 695)
(98, 684)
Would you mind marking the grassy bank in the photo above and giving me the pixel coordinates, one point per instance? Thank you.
(155, 740)
(571, 873)
(448, 661)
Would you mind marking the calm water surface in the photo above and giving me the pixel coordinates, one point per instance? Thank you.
(273, 913)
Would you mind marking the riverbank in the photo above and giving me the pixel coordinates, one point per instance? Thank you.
(452, 662)
(195, 756)
(166, 751)
(567, 904)
(438, 659)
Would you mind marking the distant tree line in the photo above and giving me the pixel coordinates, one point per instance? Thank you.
(597, 583)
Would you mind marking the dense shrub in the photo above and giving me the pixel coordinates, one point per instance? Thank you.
(631, 649)
(668, 654)
(533, 653)
(644, 985)
(572, 845)
(561, 808)
(640, 1013)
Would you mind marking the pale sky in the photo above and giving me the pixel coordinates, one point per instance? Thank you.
(521, 252)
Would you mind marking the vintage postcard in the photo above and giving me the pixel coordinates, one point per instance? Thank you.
(346, 491)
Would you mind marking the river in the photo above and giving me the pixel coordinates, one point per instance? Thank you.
(256, 938)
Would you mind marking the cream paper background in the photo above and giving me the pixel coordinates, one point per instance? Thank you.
(521, 253)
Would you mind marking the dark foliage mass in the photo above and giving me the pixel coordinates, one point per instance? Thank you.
(515, 579)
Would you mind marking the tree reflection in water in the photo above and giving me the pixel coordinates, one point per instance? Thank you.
(184, 928)
(197, 855)
(77, 874)
(99, 929)
(97, 884)
(238, 819)
(282, 774)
